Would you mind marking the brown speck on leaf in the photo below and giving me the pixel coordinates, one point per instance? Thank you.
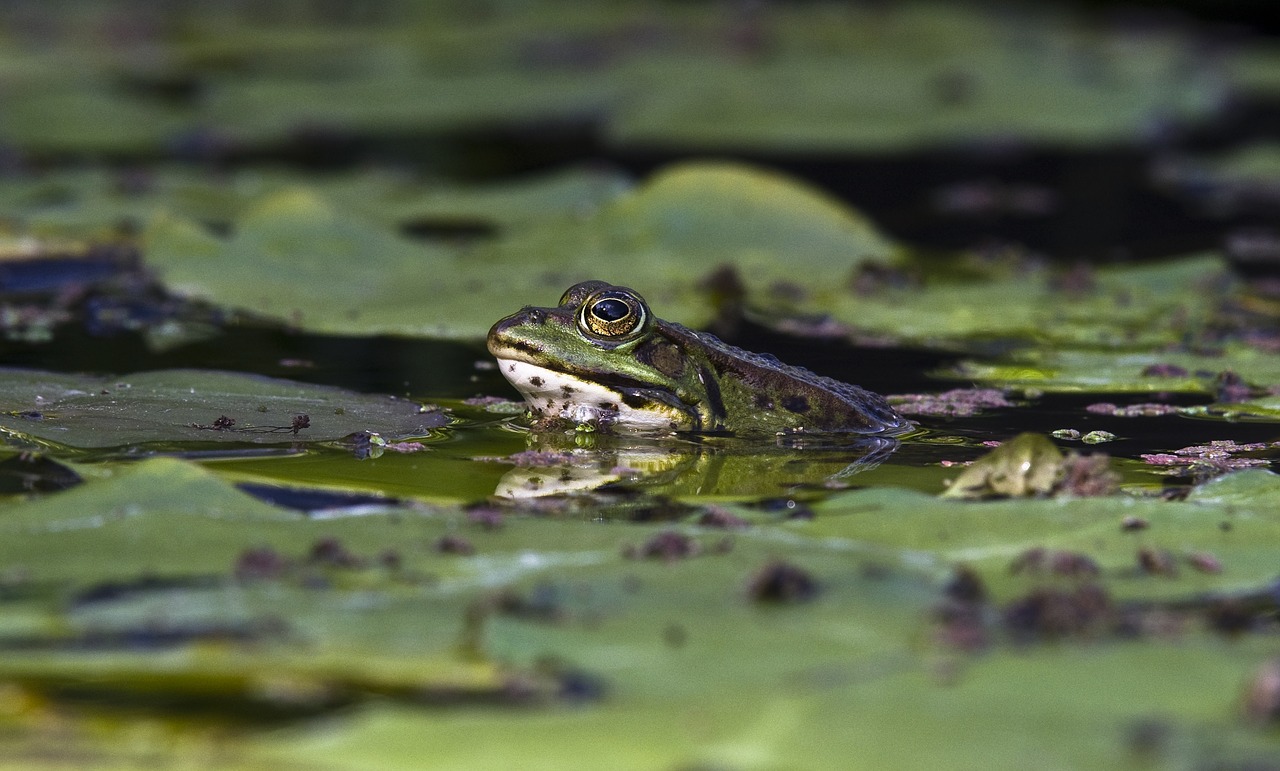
(1230, 388)
(486, 516)
(1229, 616)
(965, 586)
(1132, 524)
(543, 603)
(782, 583)
(260, 564)
(1164, 370)
(1052, 614)
(1077, 281)
(453, 544)
(871, 277)
(960, 619)
(674, 635)
(1030, 561)
(669, 546)
(1157, 562)
(1147, 739)
(1262, 694)
(717, 516)
(1204, 562)
(299, 422)
(223, 423)
(333, 553)
(1073, 565)
(1068, 564)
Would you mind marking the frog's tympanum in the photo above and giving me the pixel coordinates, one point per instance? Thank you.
(600, 357)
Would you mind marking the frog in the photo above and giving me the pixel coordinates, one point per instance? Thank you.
(601, 358)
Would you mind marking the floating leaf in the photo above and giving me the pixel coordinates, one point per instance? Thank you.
(294, 256)
(153, 408)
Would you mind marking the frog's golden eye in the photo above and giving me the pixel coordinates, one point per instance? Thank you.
(614, 315)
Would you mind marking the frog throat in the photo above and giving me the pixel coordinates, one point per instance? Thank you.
(558, 394)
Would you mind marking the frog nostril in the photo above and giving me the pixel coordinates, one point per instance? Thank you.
(535, 315)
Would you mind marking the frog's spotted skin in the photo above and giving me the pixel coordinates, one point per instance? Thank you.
(601, 357)
(554, 393)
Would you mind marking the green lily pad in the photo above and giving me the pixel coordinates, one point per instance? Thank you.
(1230, 517)
(163, 407)
(88, 203)
(1127, 307)
(1077, 370)
(294, 256)
(790, 78)
(645, 642)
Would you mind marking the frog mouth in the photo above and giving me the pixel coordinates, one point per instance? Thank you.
(554, 393)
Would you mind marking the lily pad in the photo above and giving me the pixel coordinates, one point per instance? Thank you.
(294, 256)
(1126, 371)
(164, 407)
(1127, 306)
(399, 642)
(786, 77)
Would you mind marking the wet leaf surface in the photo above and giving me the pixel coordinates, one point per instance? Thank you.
(155, 408)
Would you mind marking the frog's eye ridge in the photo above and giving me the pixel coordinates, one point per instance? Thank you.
(613, 315)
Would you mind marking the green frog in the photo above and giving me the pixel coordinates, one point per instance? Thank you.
(600, 358)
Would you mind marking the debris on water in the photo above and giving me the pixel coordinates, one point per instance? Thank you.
(1203, 462)
(497, 405)
(532, 458)
(1143, 410)
(1098, 437)
(1066, 434)
(958, 402)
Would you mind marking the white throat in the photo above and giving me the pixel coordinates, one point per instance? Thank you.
(581, 401)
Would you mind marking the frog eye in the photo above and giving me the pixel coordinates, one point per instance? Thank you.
(616, 315)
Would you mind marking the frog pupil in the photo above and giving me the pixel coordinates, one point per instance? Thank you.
(610, 310)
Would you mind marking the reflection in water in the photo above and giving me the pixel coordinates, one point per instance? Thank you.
(686, 466)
